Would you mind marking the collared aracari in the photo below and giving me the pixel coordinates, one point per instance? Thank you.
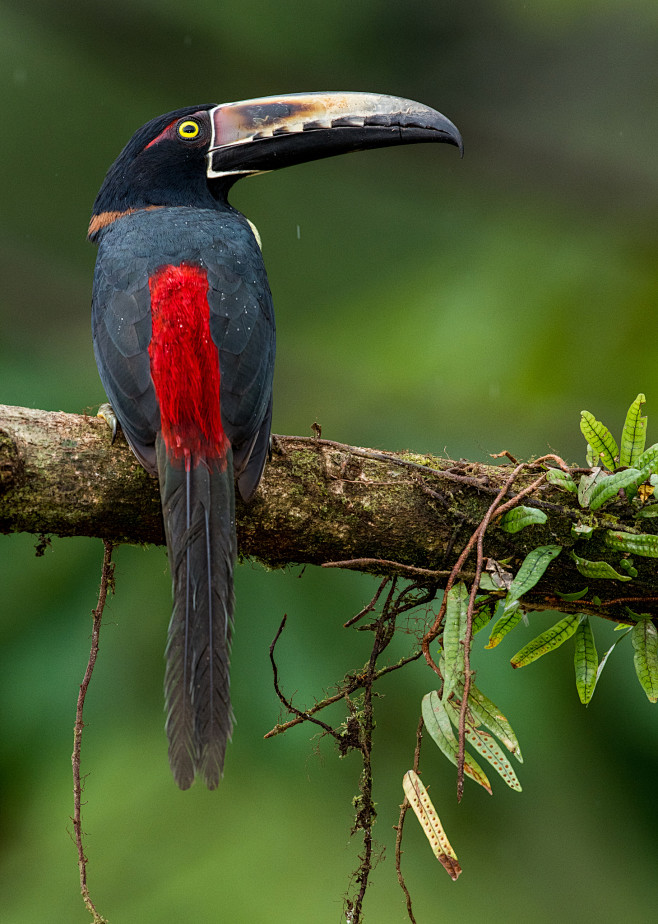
(183, 332)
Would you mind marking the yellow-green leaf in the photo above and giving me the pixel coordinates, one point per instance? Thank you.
(548, 641)
(437, 722)
(486, 746)
(645, 643)
(600, 438)
(586, 660)
(430, 822)
(488, 713)
(634, 433)
(512, 615)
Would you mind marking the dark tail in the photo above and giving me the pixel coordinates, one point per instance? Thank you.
(198, 506)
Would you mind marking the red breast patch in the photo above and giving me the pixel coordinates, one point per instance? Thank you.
(185, 364)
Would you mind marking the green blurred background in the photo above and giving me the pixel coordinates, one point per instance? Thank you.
(422, 301)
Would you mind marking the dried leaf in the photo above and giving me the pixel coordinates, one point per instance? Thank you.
(430, 822)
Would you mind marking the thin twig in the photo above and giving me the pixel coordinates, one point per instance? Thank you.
(301, 716)
(496, 508)
(369, 607)
(358, 564)
(354, 683)
(107, 583)
(429, 636)
(398, 837)
(366, 812)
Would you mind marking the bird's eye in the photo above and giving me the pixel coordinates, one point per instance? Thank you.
(188, 129)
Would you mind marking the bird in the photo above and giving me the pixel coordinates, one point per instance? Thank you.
(184, 339)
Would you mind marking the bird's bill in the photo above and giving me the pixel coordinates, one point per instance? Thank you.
(264, 134)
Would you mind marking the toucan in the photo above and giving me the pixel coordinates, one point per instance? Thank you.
(183, 334)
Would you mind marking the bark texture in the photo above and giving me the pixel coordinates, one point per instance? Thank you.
(319, 503)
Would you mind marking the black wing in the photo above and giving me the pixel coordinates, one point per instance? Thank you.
(241, 325)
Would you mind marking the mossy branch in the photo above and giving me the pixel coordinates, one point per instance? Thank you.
(319, 502)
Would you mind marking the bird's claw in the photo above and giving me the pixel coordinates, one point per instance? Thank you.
(106, 413)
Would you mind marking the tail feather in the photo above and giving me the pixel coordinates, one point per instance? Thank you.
(198, 506)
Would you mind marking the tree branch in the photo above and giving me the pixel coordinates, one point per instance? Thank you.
(320, 502)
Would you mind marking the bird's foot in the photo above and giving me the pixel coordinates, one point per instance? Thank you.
(106, 412)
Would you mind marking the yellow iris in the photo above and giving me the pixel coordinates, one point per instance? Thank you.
(188, 129)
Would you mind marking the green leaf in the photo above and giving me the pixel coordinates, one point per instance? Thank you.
(454, 634)
(605, 657)
(548, 641)
(628, 566)
(561, 480)
(486, 746)
(491, 717)
(512, 615)
(571, 598)
(650, 511)
(531, 570)
(437, 722)
(600, 438)
(581, 531)
(586, 660)
(647, 463)
(587, 484)
(486, 582)
(481, 618)
(644, 636)
(608, 487)
(644, 544)
(600, 570)
(647, 466)
(519, 517)
(634, 433)
(592, 458)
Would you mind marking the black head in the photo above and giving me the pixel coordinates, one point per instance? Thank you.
(191, 156)
(164, 163)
